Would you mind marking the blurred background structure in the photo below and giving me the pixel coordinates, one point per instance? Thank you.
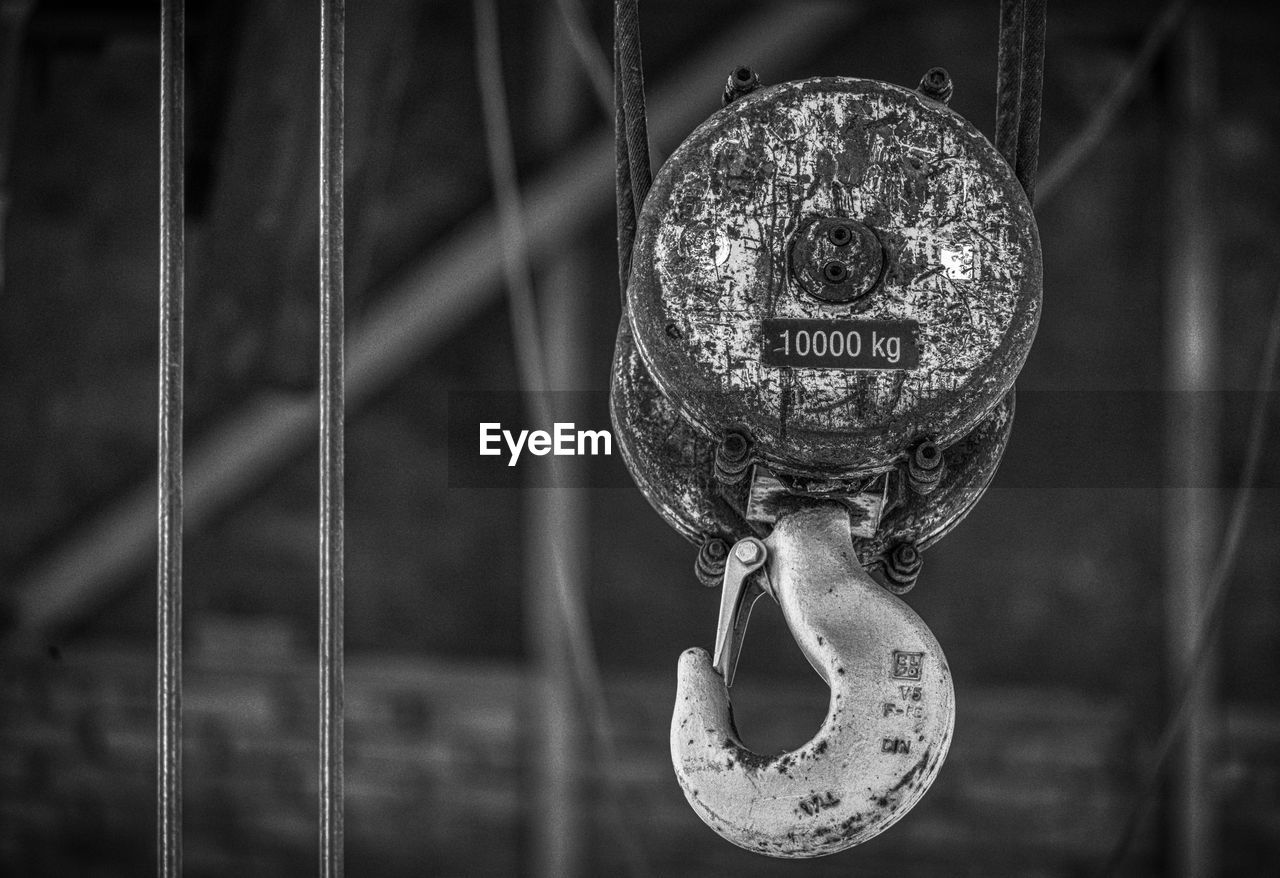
(1063, 602)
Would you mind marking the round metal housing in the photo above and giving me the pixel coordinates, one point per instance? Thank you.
(846, 209)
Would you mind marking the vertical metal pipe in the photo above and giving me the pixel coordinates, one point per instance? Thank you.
(332, 36)
(1192, 522)
(169, 453)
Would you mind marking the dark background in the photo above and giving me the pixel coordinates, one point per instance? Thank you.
(1050, 599)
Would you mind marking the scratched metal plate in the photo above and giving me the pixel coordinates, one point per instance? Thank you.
(674, 466)
(711, 263)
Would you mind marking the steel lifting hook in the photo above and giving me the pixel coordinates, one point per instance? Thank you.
(891, 713)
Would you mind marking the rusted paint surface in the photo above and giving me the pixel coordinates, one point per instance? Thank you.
(961, 257)
(887, 729)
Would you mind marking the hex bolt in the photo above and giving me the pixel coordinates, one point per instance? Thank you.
(925, 467)
(733, 457)
(743, 80)
(709, 566)
(835, 272)
(902, 567)
(747, 552)
(936, 84)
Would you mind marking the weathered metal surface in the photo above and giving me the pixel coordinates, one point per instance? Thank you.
(770, 498)
(971, 464)
(887, 731)
(959, 254)
(674, 466)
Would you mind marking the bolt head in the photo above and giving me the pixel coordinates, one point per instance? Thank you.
(936, 83)
(835, 272)
(747, 552)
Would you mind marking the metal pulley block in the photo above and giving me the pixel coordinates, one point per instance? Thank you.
(834, 284)
(838, 268)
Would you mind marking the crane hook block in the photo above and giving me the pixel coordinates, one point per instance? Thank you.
(834, 285)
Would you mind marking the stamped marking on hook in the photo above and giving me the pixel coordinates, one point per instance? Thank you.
(906, 665)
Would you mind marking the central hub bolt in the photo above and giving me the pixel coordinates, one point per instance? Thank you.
(837, 260)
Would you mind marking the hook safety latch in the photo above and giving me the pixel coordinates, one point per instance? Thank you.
(889, 720)
(744, 583)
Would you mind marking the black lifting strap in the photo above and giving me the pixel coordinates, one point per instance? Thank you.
(631, 131)
(1019, 87)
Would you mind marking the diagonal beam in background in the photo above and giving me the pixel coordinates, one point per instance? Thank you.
(430, 302)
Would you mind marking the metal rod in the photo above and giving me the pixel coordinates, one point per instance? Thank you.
(332, 27)
(169, 453)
